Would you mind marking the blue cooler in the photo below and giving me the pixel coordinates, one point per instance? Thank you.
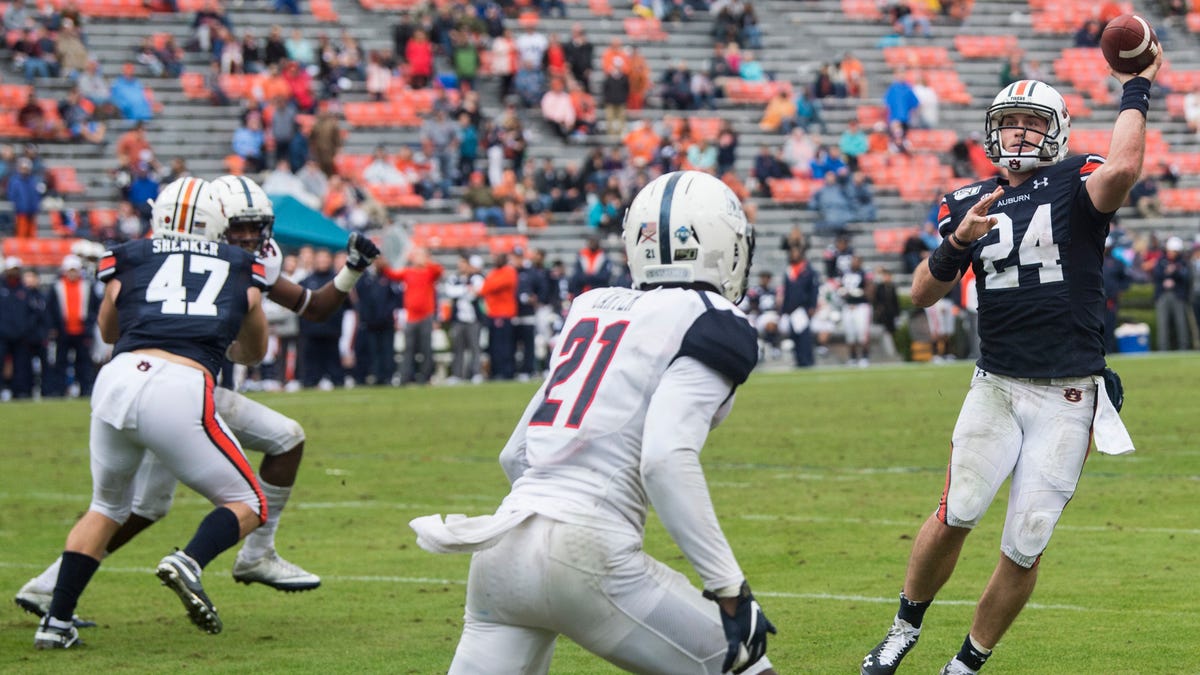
(1133, 338)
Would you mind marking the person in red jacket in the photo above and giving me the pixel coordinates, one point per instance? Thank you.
(499, 295)
(420, 304)
(419, 55)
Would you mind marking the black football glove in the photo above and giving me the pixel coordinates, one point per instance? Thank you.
(1114, 388)
(361, 252)
(746, 631)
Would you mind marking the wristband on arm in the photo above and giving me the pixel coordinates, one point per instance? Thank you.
(1136, 96)
(346, 278)
(946, 261)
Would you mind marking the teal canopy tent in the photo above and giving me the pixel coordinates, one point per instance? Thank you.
(297, 225)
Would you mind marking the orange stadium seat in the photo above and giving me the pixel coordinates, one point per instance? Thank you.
(932, 140)
(985, 46)
(740, 91)
(1180, 200)
(65, 180)
(917, 57)
(891, 240)
(449, 235)
(792, 190)
(868, 115)
(13, 96)
(193, 86)
(38, 252)
(1193, 21)
(351, 165)
(1076, 105)
(948, 86)
(648, 30)
(396, 196)
(102, 218)
(507, 243)
(323, 11)
(862, 10)
(600, 8)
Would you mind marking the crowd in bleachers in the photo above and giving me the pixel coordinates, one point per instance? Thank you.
(298, 95)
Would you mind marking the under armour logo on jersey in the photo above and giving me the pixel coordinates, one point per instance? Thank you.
(1072, 394)
(143, 366)
(1041, 182)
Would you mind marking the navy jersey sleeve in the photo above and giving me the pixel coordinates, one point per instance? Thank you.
(107, 268)
(723, 341)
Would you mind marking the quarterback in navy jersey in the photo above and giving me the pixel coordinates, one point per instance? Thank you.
(1040, 390)
(638, 377)
(175, 306)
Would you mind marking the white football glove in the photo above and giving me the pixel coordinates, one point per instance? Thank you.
(272, 259)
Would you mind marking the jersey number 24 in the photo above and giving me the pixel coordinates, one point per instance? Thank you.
(1037, 249)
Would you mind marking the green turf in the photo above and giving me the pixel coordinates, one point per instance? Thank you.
(820, 479)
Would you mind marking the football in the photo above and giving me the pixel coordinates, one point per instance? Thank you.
(1129, 44)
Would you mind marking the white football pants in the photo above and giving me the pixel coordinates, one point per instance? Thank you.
(596, 587)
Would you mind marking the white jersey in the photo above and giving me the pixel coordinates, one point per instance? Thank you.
(638, 378)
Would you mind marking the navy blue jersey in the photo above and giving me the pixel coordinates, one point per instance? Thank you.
(184, 297)
(1039, 272)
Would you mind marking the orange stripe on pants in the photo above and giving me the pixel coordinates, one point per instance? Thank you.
(229, 446)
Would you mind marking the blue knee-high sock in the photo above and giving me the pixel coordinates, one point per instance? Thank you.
(73, 576)
(217, 532)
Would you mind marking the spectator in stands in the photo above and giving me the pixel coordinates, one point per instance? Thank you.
(418, 54)
(677, 88)
(825, 83)
(465, 57)
(768, 164)
(911, 24)
(1117, 280)
(304, 51)
(584, 105)
(1172, 275)
(325, 141)
(499, 294)
(852, 143)
(468, 147)
(1191, 110)
(885, 307)
(17, 15)
(34, 120)
(275, 48)
(969, 158)
(861, 192)
(379, 76)
(504, 62)
(580, 55)
(827, 160)
(640, 79)
(780, 114)
(208, 19)
(727, 146)
(604, 214)
(25, 193)
(557, 109)
(799, 149)
(143, 186)
(751, 69)
(70, 51)
(927, 114)
(249, 143)
(34, 53)
(915, 247)
(129, 96)
(531, 46)
(78, 121)
(1144, 195)
(1013, 69)
(852, 72)
(834, 208)
(95, 88)
(900, 101)
(482, 204)
(177, 169)
(615, 95)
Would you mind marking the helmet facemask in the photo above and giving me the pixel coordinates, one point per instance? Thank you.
(1037, 99)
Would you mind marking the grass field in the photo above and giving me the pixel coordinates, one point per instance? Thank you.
(820, 479)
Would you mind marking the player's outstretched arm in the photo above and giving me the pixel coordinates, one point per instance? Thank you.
(320, 304)
(1109, 185)
(940, 272)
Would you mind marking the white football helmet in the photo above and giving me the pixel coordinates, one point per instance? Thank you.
(1035, 98)
(248, 209)
(688, 227)
(188, 208)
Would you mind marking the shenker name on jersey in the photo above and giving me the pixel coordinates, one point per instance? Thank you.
(185, 246)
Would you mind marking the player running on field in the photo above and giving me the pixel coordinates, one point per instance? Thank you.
(638, 378)
(257, 427)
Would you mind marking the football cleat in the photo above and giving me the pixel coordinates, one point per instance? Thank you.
(274, 572)
(956, 667)
(36, 601)
(886, 656)
(53, 637)
(181, 574)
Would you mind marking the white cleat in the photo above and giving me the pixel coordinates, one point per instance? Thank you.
(956, 667)
(274, 572)
(53, 637)
(36, 601)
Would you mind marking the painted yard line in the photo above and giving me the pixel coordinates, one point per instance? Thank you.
(831, 597)
(917, 522)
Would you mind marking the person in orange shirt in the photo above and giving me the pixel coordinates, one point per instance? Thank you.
(854, 75)
(616, 56)
(71, 308)
(642, 142)
(639, 79)
(779, 115)
(420, 304)
(499, 293)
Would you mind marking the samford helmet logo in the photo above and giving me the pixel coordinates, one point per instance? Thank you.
(1073, 395)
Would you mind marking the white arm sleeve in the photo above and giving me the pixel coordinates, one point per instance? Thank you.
(680, 415)
(512, 457)
(346, 340)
